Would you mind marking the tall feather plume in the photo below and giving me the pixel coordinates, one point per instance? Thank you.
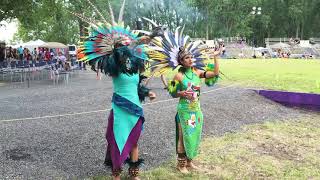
(142, 31)
(176, 35)
(98, 12)
(165, 51)
(111, 14)
(85, 19)
(181, 36)
(121, 12)
(152, 22)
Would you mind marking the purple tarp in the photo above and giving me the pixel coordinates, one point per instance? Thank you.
(306, 100)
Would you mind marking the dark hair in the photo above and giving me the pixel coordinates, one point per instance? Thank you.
(182, 69)
(182, 54)
(117, 62)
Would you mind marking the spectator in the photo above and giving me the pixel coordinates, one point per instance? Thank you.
(40, 54)
(61, 59)
(254, 56)
(28, 56)
(291, 41)
(280, 54)
(67, 66)
(10, 55)
(25, 54)
(51, 54)
(20, 52)
(2, 55)
(47, 55)
(223, 49)
(34, 54)
(15, 54)
(241, 55)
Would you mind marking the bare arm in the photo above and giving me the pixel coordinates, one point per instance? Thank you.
(215, 72)
(210, 74)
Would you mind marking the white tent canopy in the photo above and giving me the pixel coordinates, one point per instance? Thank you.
(38, 42)
(30, 45)
(33, 44)
(54, 45)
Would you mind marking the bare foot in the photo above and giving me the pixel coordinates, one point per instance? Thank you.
(191, 165)
(183, 170)
(135, 178)
(116, 177)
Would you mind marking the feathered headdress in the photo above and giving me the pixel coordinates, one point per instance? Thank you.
(105, 36)
(171, 47)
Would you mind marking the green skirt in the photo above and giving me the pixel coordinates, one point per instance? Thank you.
(191, 125)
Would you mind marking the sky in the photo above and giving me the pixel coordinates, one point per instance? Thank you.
(7, 31)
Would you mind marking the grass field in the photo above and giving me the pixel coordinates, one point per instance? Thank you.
(273, 150)
(278, 74)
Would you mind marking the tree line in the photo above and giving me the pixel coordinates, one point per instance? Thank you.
(51, 20)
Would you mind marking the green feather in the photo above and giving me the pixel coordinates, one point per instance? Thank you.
(210, 81)
(173, 88)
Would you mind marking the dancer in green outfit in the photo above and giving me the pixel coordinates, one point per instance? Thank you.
(189, 118)
(173, 51)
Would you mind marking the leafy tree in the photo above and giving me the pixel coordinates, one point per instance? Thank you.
(15, 9)
(51, 20)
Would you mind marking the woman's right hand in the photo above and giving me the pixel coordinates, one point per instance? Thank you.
(187, 95)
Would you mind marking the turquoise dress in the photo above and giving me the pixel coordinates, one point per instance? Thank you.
(125, 120)
(125, 86)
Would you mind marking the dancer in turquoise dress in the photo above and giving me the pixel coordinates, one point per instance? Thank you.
(126, 117)
(124, 55)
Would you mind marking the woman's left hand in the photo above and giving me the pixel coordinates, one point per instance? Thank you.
(217, 53)
(152, 95)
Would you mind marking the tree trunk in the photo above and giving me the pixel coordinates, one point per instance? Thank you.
(297, 31)
(301, 32)
(81, 28)
(207, 24)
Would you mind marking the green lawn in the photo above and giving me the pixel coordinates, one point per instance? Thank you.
(278, 74)
(273, 150)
